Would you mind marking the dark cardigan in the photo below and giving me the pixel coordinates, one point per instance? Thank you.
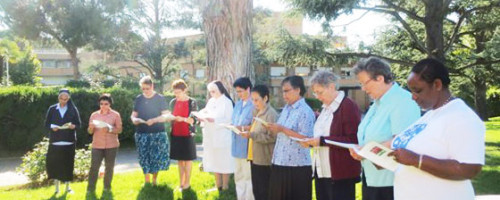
(53, 117)
(344, 128)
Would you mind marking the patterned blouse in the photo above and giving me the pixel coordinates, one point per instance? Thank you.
(298, 117)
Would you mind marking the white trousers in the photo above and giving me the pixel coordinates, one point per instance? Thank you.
(243, 179)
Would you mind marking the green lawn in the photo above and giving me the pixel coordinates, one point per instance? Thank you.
(489, 178)
(129, 185)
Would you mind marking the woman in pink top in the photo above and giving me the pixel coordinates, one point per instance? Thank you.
(105, 125)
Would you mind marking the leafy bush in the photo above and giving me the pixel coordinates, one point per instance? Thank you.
(23, 110)
(78, 84)
(315, 104)
(33, 165)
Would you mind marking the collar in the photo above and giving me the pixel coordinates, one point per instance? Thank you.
(336, 101)
(59, 106)
(263, 111)
(385, 97)
(297, 103)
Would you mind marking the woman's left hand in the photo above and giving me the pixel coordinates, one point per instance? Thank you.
(313, 142)
(405, 157)
(72, 126)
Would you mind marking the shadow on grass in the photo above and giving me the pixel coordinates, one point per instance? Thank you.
(150, 192)
(495, 144)
(487, 182)
(106, 195)
(54, 197)
(189, 194)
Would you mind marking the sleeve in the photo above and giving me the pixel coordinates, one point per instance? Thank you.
(350, 120)
(265, 137)
(171, 105)
(76, 118)
(118, 121)
(306, 123)
(136, 104)
(465, 139)
(163, 104)
(48, 118)
(403, 115)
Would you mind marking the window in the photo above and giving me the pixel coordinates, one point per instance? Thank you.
(48, 63)
(302, 71)
(64, 64)
(200, 73)
(278, 71)
(184, 73)
(345, 72)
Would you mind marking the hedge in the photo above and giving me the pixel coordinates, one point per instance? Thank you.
(23, 110)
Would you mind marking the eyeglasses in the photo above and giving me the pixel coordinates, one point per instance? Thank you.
(316, 94)
(104, 104)
(63, 99)
(365, 83)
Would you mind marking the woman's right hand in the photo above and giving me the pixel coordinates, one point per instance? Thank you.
(354, 155)
(55, 129)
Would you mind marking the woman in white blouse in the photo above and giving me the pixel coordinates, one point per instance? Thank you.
(217, 139)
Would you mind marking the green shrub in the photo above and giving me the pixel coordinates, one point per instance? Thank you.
(23, 110)
(33, 165)
(315, 104)
(78, 84)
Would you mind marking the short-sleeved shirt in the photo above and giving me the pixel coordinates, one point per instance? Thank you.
(298, 117)
(452, 131)
(101, 139)
(181, 129)
(149, 108)
(242, 116)
(386, 117)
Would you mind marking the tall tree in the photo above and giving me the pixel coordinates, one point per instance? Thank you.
(432, 28)
(227, 25)
(74, 24)
(152, 19)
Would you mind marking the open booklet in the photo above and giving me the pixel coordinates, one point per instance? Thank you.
(200, 115)
(101, 124)
(299, 139)
(373, 151)
(64, 126)
(263, 122)
(169, 116)
(139, 120)
(231, 128)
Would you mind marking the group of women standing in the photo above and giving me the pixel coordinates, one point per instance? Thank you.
(437, 153)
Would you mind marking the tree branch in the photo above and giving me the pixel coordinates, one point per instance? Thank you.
(455, 33)
(365, 55)
(145, 66)
(403, 10)
(478, 63)
(420, 46)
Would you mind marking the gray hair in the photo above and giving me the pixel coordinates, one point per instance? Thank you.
(146, 80)
(324, 78)
(374, 67)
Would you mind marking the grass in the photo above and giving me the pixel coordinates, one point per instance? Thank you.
(129, 185)
(487, 181)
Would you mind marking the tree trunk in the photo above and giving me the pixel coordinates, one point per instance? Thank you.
(74, 63)
(480, 99)
(227, 26)
(435, 12)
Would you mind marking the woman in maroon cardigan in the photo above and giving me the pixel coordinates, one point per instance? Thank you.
(335, 171)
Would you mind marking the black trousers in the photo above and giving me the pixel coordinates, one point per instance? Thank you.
(376, 193)
(260, 181)
(328, 189)
(290, 183)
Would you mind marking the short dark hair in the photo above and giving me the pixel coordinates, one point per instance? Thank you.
(296, 82)
(179, 84)
(262, 90)
(374, 67)
(430, 69)
(106, 97)
(243, 82)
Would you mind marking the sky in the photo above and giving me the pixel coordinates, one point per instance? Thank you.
(362, 26)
